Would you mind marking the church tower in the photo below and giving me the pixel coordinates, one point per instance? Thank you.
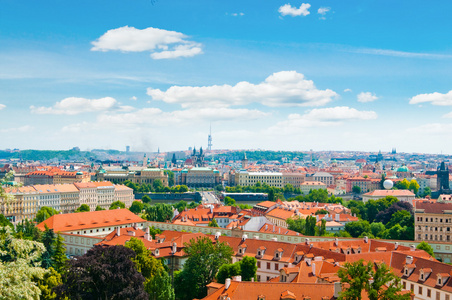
(244, 162)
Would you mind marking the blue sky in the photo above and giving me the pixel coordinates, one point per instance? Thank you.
(322, 75)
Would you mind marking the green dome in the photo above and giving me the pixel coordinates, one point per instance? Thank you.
(403, 169)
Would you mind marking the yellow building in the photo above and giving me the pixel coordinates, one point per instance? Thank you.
(245, 178)
(433, 221)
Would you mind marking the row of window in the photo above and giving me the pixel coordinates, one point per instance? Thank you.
(422, 291)
(421, 219)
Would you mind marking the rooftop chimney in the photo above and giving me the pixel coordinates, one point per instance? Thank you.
(337, 217)
(237, 278)
(118, 231)
(266, 226)
(366, 239)
(217, 235)
(412, 248)
(313, 269)
(396, 245)
(409, 260)
(174, 248)
(336, 242)
(227, 283)
(244, 237)
(307, 241)
(337, 289)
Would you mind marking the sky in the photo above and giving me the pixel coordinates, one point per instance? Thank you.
(262, 74)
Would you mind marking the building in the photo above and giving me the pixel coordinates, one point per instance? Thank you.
(295, 179)
(138, 175)
(48, 195)
(52, 175)
(124, 194)
(433, 221)
(324, 177)
(245, 178)
(70, 197)
(88, 194)
(105, 194)
(442, 179)
(402, 195)
(199, 177)
(307, 186)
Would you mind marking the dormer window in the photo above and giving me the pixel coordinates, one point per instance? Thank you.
(278, 253)
(442, 278)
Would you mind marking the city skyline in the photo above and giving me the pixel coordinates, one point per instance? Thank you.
(279, 75)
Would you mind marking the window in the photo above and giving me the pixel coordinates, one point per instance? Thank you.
(438, 296)
(404, 285)
(420, 290)
(268, 266)
(258, 264)
(429, 293)
(276, 266)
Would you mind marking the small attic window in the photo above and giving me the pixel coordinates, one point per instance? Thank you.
(406, 271)
(277, 254)
(440, 281)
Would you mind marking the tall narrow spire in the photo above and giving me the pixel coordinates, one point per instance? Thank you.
(209, 139)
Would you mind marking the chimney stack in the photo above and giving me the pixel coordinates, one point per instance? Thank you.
(174, 248)
(366, 239)
(396, 245)
(313, 269)
(227, 283)
(336, 242)
(409, 260)
(412, 248)
(118, 231)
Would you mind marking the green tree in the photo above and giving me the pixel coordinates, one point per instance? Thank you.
(146, 199)
(117, 204)
(153, 231)
(5, 222)
(321, 212)
(228, 271)
(403, 185)
(145, 263)
(426, 247)
(48, 283)
(298, 225)
(48, 239)
(322, 228)
(356, 189)
(248, 268)
(98, 208)
(159, 286)
(213, 223)
(427, 192)
(44, 213)
(228, 201)
(414, 186)
(377, 229)
(357, 228)
(137, 207)
(170, 177)
(271, 195)
(59, 254)
(310, 225)
(82, 208)
(204, 260)
(158, 185)
(384, 284)
(159, 212)
(26, 229)
(357, 275)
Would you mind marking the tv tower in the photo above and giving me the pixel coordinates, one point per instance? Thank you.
(209, 139)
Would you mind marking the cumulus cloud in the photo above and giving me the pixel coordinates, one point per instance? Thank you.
(433, 98)
(74, 106)
(432, 128)
(366, 97)
(322, 11)
(21, 129)
(289, 10)
(347, 90)
(2, 106)
(281, 89)
(323, 117)
(133, 98)
(163, 44)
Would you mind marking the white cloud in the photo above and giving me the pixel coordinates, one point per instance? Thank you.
(432, 128)
(281, 89)
(396, 53)
(2, 106)
(163, 44)
(366, 97)
(237, 14)
(74, 106)
(321, 117)
(21, 129)
(434, 98)
(289, 10)
(347, 90)
(323, 10)
(133, 98)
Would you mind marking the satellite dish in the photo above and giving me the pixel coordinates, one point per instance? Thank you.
(388, 184)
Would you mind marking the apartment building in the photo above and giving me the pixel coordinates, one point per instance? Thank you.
(245, 178)
(70, 197)
(433, 221)
(105, 193)
(124, 194)
(48, 195)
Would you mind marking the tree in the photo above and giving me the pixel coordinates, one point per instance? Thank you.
(117, 204)
(310, 225)
(384, 284)
(137, 207)
(104, 273)
(228, 201)
(146, 199)
(213, 223)
(271, 195)
(321, 212)
(98, 208)
(357, 275)
(248, 268)
(298, 225)
(356, 189)
(228, 271)
(357, 228)
(204, 260)
(219, 188)
(159, 212)
(145, 263)
(59, 254)
(385, 216)
(159, 287)
(44, 213)
(157, 185)
(401, 217)
(48, 283)
(322, 228)
(5, 222)
(426, 247)
(82, 208)
(403, 185)
(170, 177)
(19, 266)
(414, 186)
(377, 229)
(153, 231)
(26, 229)
(48, 239)
(427, 192)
